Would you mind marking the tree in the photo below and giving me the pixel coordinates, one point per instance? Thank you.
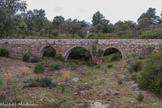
(97, 18)
(148, 18)
(9, 9)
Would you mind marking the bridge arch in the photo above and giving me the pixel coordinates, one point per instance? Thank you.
(111, 50)
(67, 54)
(44, 51)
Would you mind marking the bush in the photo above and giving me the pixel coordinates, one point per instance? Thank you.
(1, 82)
(115, 57)
(109, 65)
(40, 82)
(151, 76)
(135, 66)
(39, 68)
(4, 52)
(56, 66)
(34, 59)
(140, 97)
(59, 57)
(134, 78)
(120, 81)
(152, 34)
(49, 52)
(134, 55)
(26, 57)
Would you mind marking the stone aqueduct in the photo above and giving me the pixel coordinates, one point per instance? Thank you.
(18, 47)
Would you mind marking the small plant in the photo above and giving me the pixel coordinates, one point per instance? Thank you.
(98, 66)
(40, 82)
(1, 82)
(56, 66)
(59, 57)
(134, 77)
(120, 82)
(134, 55)
(140, 97)
(34, 59)
(4, 52)
(100, 52)
(73, 67)
(135, 66)
(39, 68)
(115, 57)
(26, 57)
(109, 65)
(105, 71)
(94, 50)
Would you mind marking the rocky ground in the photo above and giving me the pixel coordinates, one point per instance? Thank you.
(80, 86)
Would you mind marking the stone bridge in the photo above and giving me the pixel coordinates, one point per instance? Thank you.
(18, 47)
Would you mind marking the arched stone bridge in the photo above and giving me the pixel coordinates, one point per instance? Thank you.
(18, 47)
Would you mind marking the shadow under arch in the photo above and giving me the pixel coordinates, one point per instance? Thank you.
(48, 51)
(79, 53)
(112, 50)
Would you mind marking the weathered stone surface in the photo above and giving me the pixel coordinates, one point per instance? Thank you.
(18, 47)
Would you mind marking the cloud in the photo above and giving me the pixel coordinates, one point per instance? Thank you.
(58, 9)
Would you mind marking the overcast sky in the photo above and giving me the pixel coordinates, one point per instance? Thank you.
(113, 10)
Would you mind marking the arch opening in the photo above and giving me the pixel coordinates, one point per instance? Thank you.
(49, 52)
(112, 54)
(79, 53)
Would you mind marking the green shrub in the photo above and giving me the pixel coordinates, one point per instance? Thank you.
(100, 52)
(151, 76)
(152, 34)
(34, 59)
(40, 82)
(134, 77)
(120, 81)
(39, 68)
(134, 55)
(59, 57)
(1, 82)
(26, 57)
(150, 50)
(115, 57)
(135, 66)
(49, 52)
(109, 65)
(4, 52)
(105, 71)
(73, 67)
(140, 97)
(56, 66)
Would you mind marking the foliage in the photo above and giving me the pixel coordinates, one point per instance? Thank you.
(140, 97)
(25, 57)
(109, 65)
(100, 52)
(152, 34)
(115, 57)
(120, 82)
(56, 66)
(80, 53)
(34, 59)
(135, 66)
(40, 82)
(49, 52)
(39, 68)
(1, 82)
(134, 55)
(134, 78)
(59, 57)
(4, 52)
(150, 77)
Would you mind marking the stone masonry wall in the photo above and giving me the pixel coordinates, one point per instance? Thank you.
(18, 47)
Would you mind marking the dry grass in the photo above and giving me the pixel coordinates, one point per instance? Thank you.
(66, 75)
(25, 71)
(8, 78)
